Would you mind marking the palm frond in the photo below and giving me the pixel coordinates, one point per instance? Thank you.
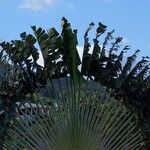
(129, 63)
(80, 119)
(141, 65)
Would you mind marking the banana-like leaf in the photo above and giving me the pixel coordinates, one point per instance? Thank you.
(76, 119)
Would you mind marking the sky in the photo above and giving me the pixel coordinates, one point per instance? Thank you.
(129, 18)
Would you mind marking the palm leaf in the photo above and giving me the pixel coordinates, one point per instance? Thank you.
(77, 119)
(130, 60)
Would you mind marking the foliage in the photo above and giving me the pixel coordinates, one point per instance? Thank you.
(26, 75)
(128, 82)
(93, 124)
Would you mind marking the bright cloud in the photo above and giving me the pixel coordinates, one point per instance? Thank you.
(40, 61)
(36, 5)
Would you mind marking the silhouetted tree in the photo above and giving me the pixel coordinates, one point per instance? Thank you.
(127, 82)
